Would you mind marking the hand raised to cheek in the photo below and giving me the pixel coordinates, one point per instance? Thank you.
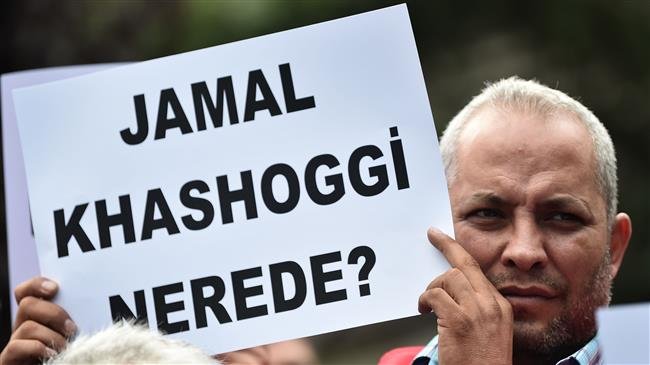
(475, 322)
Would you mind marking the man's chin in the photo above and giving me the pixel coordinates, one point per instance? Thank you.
(529, 331)
(537, 337)
(547, 338)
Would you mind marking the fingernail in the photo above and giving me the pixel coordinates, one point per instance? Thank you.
(48, 286)
(70, 327)
(50, 352)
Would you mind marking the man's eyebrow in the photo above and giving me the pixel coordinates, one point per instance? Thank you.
(566, 201)
(488, 197)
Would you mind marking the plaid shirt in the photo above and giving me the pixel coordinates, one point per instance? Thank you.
(590, 354)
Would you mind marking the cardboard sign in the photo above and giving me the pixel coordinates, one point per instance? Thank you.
(21, 247)
(262, 190)
(624, 333)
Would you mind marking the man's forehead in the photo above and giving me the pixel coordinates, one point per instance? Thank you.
(510, 133)
(491, 117)
(526, 154)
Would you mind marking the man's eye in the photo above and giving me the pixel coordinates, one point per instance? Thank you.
(565, 217)
(487, 213)
(565, 220)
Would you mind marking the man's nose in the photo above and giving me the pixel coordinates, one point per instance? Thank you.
(525, 248)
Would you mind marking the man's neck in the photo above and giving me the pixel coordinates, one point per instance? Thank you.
(527, 357)
(534, 359)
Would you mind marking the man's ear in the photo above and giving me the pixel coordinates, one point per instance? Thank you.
(621, 233)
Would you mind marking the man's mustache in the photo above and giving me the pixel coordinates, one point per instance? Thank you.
(528, 279)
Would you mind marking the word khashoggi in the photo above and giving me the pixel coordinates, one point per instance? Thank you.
(197, 195)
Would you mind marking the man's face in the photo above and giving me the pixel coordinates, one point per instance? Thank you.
(527, 207)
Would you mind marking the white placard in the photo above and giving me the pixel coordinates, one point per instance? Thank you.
(21, 247)
(321, 136)
(624, 332)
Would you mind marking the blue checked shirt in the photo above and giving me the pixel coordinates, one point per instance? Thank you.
(590, 354)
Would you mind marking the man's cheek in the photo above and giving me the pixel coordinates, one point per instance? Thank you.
(485, 248)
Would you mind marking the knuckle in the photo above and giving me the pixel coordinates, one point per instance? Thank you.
(423, 303)
(423, 296)
(28, 302)
(57, 313)
(9, 352)
(496, 306)
(26, 287)
(27, 329)
(60, 315)
(10, 349)
(495, 313)
(434, 282)
(17, 351)
(422, 299)
(497, 310)
(454, 273)
(20, 290)
(430, 296)
(436, 293)
(469, 262)
(464, 322)
(37, 349)
(506, 308)
(25, 308)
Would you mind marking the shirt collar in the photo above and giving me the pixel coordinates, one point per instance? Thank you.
(428, 355)
(589, 354)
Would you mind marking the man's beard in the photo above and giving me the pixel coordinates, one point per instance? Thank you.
(575, 324)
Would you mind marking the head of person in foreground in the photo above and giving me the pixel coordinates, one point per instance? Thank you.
(533, 188)
(126, 343)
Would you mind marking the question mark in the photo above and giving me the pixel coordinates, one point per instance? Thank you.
(368, 263)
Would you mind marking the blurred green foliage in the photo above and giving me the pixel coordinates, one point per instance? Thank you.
(596, 51)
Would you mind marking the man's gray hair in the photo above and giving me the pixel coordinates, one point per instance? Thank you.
(125, 343)
(532, 97)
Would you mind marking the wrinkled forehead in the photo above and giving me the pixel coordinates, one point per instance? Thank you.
(522, 144)
(537, 141)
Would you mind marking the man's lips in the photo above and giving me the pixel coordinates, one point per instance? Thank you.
(524, 292)
(529, 300)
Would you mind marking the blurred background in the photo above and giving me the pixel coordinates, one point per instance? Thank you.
(596, 51)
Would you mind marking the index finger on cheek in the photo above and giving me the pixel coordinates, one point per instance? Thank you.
(452, 250)
(459, 258)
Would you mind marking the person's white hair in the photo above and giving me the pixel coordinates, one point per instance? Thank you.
(529, 96)
(126, 343)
